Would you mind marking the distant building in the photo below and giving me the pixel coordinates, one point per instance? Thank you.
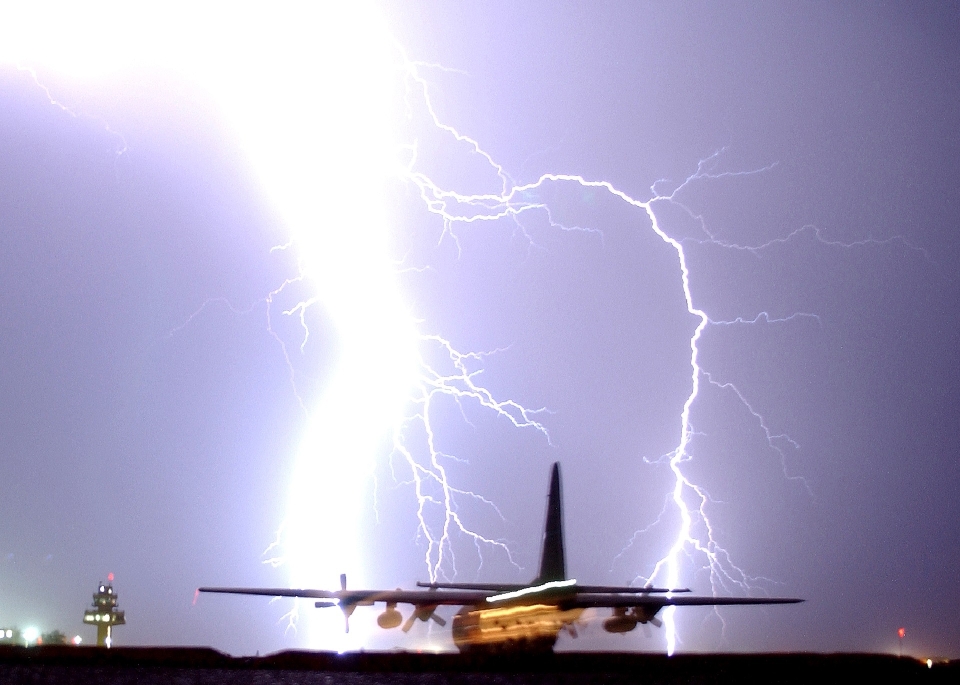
(104, 614)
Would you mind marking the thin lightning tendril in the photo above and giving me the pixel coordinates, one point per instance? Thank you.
(459, 383)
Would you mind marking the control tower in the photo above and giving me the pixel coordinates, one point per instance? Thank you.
(104, 613)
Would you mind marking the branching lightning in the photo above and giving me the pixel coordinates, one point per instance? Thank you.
(695, 538)
(459, 208)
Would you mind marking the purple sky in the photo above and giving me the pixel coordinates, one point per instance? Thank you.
(139, 440)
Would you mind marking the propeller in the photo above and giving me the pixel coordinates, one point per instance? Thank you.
(573, 627)
(424, 613)
(348, 609)
(646, 627)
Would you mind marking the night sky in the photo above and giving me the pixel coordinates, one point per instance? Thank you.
(149, 416)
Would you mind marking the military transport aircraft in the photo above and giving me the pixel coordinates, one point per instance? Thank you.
(497, 617)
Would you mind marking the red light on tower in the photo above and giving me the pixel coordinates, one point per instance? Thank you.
(901, 633)
(110, 580)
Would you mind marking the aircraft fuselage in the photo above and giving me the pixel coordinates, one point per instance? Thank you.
(530, 627)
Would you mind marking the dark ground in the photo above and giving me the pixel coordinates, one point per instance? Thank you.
(57, 664)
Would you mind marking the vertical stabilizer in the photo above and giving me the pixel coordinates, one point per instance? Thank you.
(553, 563)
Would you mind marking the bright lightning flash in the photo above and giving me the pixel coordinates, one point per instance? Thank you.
(308, 91)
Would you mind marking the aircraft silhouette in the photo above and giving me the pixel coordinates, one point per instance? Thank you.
(497, 617)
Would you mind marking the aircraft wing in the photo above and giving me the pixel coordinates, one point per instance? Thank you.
(586, 600)
(577, 599)
(365, 597)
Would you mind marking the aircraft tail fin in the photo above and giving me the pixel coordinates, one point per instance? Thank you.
(553, 563)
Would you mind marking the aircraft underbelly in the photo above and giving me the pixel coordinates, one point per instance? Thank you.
(522, 627)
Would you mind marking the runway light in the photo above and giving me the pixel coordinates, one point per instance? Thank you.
(77, 640)
(30, 635)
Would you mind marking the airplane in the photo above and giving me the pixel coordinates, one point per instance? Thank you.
(512, 617)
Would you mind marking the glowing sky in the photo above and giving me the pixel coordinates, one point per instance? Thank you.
(151, 438)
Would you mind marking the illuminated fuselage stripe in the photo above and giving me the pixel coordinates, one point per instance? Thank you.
(552, 585)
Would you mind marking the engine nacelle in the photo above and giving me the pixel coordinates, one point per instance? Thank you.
(620, 622)
(624, 620)
(390, 618)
